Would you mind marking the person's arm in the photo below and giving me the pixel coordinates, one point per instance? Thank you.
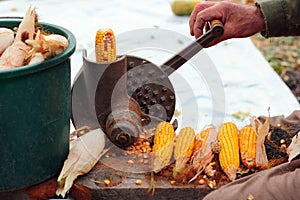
(270, 17)
(239, 20)
(282, 17)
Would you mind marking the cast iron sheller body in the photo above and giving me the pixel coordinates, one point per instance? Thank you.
(130, 94)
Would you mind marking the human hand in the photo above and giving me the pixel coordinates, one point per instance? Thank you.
(239, 20)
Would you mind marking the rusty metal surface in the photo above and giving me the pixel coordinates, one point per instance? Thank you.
(100, 97)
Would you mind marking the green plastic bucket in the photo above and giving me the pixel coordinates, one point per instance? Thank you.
(35, 117)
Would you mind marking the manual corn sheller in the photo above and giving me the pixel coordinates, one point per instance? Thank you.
(130, 94)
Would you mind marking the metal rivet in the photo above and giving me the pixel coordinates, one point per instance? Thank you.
(155, 92)
(153, 101)
(147, 88)
(164, 89)
(162, 98)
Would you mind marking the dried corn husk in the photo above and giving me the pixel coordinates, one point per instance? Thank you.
(6, 39)
(84, 154)
(205, 154)
(294, 149)
(262, 131)
(14, 56)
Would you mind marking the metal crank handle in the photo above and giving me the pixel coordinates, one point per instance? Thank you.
(216, 30)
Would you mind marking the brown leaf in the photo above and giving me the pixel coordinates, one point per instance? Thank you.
(294, 149)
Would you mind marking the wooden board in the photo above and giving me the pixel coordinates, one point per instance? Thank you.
(123, 186)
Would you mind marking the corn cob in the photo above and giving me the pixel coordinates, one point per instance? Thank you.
(247, 144)
(184, 148)
(163, 145)
(229, 153)
(105, 46)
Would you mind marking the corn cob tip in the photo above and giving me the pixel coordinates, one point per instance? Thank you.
(249, 162)
(180, 164)
(231, 173)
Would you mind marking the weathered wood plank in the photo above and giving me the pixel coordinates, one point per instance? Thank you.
(123, 186)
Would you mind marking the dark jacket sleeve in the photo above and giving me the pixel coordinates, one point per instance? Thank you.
(282, 17)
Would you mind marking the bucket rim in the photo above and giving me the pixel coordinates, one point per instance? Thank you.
(29, 69)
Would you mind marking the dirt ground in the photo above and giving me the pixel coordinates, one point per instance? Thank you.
(283, 55)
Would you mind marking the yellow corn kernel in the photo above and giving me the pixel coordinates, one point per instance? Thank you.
(184, 148)
(105, 46)
(163, 145)
(229, 153)
(247, 144)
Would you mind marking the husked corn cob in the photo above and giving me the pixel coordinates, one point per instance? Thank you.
(105, 46)
(229, 153)
(184, 148)
(247, 144)
(163, 145)
(185, 142)
(164, 135)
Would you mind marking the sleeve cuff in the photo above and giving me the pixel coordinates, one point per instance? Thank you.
(274, 13)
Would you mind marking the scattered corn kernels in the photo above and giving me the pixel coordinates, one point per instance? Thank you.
(283, 148)
(278, 125)
(201, 181)
(282, 141)
(172, 182)
(139, 182)
(130, 162)
(106, 182)
(212, 184)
